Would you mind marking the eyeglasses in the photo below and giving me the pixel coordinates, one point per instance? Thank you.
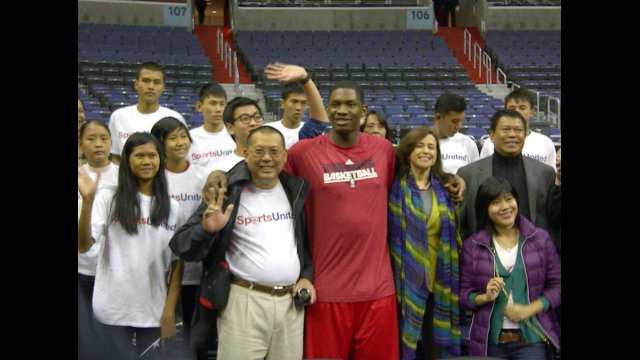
(260, 152)
(245, 119)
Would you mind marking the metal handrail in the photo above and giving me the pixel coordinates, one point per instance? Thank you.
(477, 55)
(219, 42)
(228, 63)
(537, 103)
(467, 43)
(236, 76)
(498, 72)
(228, 56)
(557, 100)
(486, 61)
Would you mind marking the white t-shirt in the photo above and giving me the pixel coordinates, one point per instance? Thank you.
(536, 146)
(127, 120)
(457, 151)
(263, 246)
(208, 149)
(508, 260)
(290, 135)
(131, 277)
(88, 261)
(186, 189)
(227, 163)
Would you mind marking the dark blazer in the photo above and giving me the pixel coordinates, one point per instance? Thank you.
(540, 179)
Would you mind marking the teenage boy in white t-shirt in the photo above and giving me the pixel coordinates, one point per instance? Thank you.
(293, 105)
(457, 149)
(149, 85)
(212, 144)
(241, 116)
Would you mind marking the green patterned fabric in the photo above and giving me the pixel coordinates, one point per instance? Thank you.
(410, 261)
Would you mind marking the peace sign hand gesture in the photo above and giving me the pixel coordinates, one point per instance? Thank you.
(214, 219)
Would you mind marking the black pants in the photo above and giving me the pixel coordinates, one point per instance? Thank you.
(429, 349)
(85, 291)
(201, 6)
(122, 337)
(188, 299)
(91, 341)
(439, 14)
(449, 9)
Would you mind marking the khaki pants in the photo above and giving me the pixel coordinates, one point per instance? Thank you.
(256, 325)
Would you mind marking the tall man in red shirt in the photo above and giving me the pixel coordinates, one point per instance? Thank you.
(350, 173)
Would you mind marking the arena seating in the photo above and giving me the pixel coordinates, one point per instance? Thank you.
(109, 55)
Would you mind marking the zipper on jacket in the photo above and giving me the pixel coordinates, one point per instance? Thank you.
(293, 210)
(493, 305)
(526, 276)
(295, 200)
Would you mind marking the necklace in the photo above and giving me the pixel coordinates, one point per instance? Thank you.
(426, 187)
(504, 244)
(509, 247)
(417, 181)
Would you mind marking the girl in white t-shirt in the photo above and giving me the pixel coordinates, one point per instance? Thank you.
(94, 139)
(185, 185)
(134, 223)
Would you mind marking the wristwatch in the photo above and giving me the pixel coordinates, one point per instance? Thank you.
(306, 79)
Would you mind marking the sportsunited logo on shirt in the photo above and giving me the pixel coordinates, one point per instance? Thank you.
(274, 216)
(147, 221)
(124, 135)
(211, 154)
(186, 197)
(349, 172)
(536, 157)
(455, 157)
